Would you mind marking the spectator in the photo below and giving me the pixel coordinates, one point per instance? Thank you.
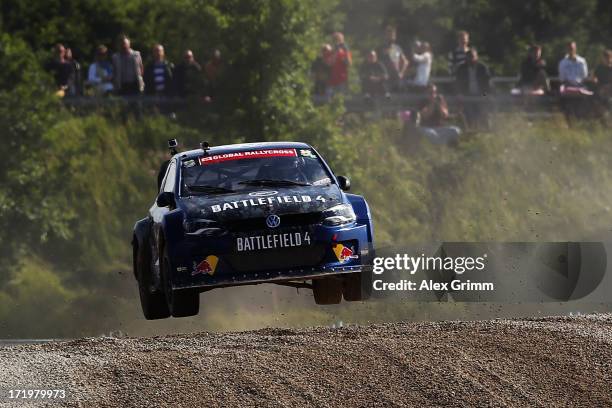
(213, 70)
(60, 68)
(189, 77)
(603, 75)
(321, 70)
(341, 61)
(472, 76)
(459, 54)
(573, 68)
(128, 69)
(533, 78)
(100, 74)
(373, 76)
(423, 59)
(75, 80)
(158, 74)
(392, 56)
(433, 113)
(473, 79)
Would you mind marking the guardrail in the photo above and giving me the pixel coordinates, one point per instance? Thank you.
(499, 101)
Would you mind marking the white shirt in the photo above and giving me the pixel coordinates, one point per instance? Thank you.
(423, 69)
(573, 71)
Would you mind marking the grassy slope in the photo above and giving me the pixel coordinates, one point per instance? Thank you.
(520, 182)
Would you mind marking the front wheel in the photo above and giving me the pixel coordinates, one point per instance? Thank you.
(153, 302)
(183, 302)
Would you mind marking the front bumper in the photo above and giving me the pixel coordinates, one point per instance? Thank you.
(209, 262)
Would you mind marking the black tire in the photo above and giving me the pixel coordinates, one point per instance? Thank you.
(327, 291)
(153, 302)
(180, 303)
(357, 286)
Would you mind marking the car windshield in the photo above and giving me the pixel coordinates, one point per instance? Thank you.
(237, 171)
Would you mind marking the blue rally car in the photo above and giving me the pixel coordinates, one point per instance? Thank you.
(247, 214)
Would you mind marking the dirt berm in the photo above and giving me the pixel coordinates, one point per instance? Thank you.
(531, 362)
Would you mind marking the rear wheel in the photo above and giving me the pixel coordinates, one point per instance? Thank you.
(153, 302)
(327, 291)
(180, 303)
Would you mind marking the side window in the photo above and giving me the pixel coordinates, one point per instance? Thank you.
(170, 178)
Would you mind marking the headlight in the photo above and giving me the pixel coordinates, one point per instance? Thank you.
(339, 215)
(201, 227)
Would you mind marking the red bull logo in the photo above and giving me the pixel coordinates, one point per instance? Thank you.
(207, 266)
(343, 253)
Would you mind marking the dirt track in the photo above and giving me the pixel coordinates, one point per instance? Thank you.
(543, 362)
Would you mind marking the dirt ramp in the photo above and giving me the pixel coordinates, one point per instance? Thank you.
(531, 363)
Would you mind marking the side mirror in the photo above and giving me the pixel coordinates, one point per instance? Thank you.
(344, 183)
(165, 199)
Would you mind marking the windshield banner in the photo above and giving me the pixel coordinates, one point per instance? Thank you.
(253, 154)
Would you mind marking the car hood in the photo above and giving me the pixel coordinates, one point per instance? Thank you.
(259, 202)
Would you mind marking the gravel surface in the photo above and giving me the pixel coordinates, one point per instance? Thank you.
(564, 361)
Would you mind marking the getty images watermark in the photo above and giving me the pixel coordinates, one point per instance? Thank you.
(442, 273)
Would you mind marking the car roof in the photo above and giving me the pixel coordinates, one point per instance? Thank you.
(244, 147)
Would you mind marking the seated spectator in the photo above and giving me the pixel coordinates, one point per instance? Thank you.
(128, 70)
(393, 58)
(423, 59)
(60, 68)
(573, 69)
(321, 70)
(189, 79)
(158, 74)
(473, 79)
(533, 78)
(373, 76)
(341, 61)
(603, 75)
(433, 113)
(100, 74)
(458, 56)
(214, 70)
(75, 80)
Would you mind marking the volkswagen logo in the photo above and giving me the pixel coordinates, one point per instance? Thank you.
(273, 221)
(263, 193)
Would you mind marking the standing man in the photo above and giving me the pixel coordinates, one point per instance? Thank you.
(158, 74)
(459, 54)
(373, 76)
(75, 81)
(603, 75)
(392, 56)
(533, 77)
(188, 78)
(474, 81)
(213, 70)
(128, 69)
(573, 69)
(341, 61)
(60, 68)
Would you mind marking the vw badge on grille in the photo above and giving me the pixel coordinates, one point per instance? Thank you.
(273, 221)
